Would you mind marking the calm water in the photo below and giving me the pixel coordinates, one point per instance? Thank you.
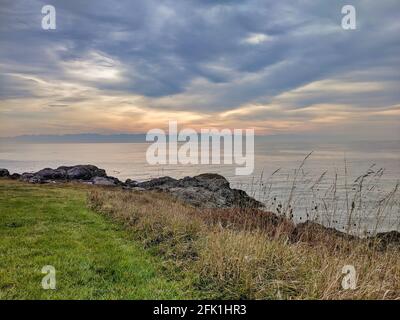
(315, 191)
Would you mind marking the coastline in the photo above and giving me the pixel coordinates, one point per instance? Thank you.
(204, 191)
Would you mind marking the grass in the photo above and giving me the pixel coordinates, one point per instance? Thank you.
(362, 204)
(120, 244)
(94, 257)
(246, 254)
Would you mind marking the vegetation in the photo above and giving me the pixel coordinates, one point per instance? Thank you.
(244, 254)
(94, 258)
(147, 245)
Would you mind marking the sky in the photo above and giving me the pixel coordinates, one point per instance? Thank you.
(280, 67)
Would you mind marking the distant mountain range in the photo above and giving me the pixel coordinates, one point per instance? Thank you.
(141, 137)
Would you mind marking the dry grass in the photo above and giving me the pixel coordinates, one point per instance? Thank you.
(247, 254)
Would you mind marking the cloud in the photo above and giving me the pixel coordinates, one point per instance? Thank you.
(256, 38)
(225, 62)
(94, 67)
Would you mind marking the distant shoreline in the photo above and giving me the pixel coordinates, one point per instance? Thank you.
(141, 138)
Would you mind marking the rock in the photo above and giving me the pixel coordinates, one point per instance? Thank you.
(26, 176)
(106, 181)
(82, 172)
(64, 173)
(385, 239)
(35, 179)
(4, 173)
(163, 182)
(15, 176)
(313, 232)
(211, 181)
(51, 174)
(131, 183)
(205, 190)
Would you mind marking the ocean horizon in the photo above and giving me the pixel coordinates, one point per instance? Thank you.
(276, 166)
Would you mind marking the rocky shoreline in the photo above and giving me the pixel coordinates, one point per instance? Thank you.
(206, 190)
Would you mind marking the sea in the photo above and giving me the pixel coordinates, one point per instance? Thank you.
(351, 186)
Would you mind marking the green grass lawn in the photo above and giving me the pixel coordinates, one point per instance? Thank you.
(94, 258)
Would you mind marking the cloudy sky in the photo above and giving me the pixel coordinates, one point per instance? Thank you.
(281, 67)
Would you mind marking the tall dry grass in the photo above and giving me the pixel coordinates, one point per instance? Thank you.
(363, 204)
(249, 254)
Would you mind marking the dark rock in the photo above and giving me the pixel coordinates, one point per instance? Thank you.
(51, 174)
(211, 181)
(205, 190)
(106, 181)
(82, 172)
(392, 236)
(385, 239)
(163, 182)
(32, 178)
(313, 232)
(26, 176)
(15, 176)
(74, 173)
(4, 173)
(131, 183)
(241, 199)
